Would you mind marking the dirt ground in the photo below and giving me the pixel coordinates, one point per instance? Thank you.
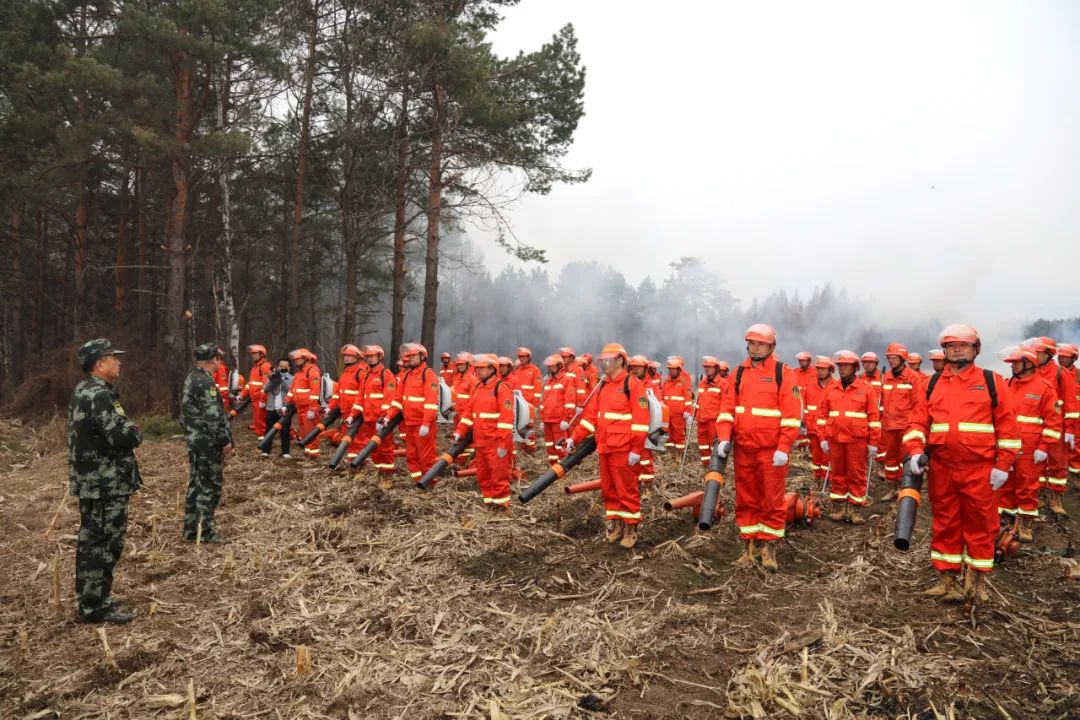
(336, 599)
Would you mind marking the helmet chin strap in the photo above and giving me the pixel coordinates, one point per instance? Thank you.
(959, 364)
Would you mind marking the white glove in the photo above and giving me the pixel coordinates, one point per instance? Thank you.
(871, 450)
(686, 416)
(262, 405)
(779, 458)
(916, 469)
(310, 414)
(381, 423)
(1040, 456)
(1070, 440)
(564, 426)
(802, 430)
(724, 448)
(456, 437)
(424, 430)
(824, 445)
(501, 452)
(531, 437)
(569, 445)
(998, 478)
(633, 459)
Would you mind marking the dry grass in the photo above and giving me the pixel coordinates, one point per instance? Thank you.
(338, 599)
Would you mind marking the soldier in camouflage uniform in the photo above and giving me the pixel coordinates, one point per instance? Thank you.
(209, 439)
(103, 474)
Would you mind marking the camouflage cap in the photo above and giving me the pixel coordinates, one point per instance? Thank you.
(94, 350)
(206, 351)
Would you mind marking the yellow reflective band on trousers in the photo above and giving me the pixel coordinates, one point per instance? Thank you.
(623, 514)
(942, 557)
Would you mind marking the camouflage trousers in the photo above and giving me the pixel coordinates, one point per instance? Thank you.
(203, 493)
(101, 542)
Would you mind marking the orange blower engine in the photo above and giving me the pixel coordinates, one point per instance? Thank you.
(802, 508)
(1008, 543)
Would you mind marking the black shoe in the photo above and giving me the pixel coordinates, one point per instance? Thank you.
(111, 616)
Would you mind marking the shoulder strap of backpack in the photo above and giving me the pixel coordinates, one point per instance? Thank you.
(931, 384)
(779, 376)
(991, 387)
(738, 380)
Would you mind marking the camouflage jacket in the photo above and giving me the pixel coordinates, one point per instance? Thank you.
(206, 426)
(101, 443)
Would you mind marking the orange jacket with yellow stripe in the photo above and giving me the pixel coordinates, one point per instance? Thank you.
(618, 415)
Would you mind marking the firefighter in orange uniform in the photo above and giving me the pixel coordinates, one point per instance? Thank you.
(937, 360)
(1067, 355)
(812, 419)
(851, 438)
(490, 416)
(766, 410)
(966, 421)
(528, 377)
(221, 378)
(464, 379)
(1057, 472)
(805, 374)
(618, 415)
(588, 372)
(638, 367)
(872, 375)
(378, 388)
(556, 408)
(679, 398)
(447, 370)
(914, 361)
(260, 373)
(724, 368)
(573, 380)
(899, 386)
(1039, 418)
(304, 395)
(417, 399)
(710, 398)
(654, 380)
(347, 393)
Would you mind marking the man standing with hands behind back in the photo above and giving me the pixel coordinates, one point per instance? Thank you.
(103, 473)
(209, 440)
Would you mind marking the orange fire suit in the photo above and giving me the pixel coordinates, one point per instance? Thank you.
(679, 398)
(345, 398)
(490, 415)
(1074, 416)
(852, 423)
(447, 375)
(618, 415)
(417, 398)
(967, 436)
(556, 406)
(1057, 478)
(528, 380)
(710, 398)
(1040, 421)
(377, 390)
(766, 420)
(304, 394)
(813, 395)
(221, 379)
(897, 402)
(260, 373)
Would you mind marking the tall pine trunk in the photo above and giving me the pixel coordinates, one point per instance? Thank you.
(226, 302)
(292, 310)
(120, 273)
(434, 208)
(401, 179)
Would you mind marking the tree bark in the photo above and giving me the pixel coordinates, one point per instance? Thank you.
(397, 311)
(36, 332)
(293, 268)
(142, 246)
(434, 207)
(228, 308)
(120, 272)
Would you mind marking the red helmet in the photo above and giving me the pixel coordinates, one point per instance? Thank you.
(351, 350)
(638, 361)
(846, 356)
(552, 361)
(935, 354)
(374, 350)
(897, 349)
(710, 361)
(1067, 350)
(869, 357)
(587, 358)
(824, 362)
(1014, 353)
(1050, 344)
(804, 356)
(958, 332)
(256, 349)
(761, 333)
(914, 358)
(612, 350)
(524, 351)
(410, 349)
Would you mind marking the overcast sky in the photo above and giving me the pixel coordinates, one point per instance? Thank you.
(924, 155)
